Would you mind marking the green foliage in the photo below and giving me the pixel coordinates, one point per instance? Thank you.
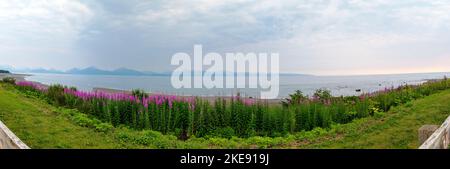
(83, 120)
(226, 132)
(322, 94)
(73, 88)
(323, 110)
(56, 128)
(379, 114)
(56, 94)
(9, 80)
(237, 116)
(139, 93)
(103, 127)
(86, 121)
(148, 138)
(295, 98)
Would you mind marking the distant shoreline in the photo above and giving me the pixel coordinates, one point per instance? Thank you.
(17, 76)
(21, 77)
(208, 98)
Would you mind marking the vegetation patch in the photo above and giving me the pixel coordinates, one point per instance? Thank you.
(43, 119)
(186, 117)
(9, 80)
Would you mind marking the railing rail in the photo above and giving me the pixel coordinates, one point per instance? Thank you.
(8, 140)
(440, 139)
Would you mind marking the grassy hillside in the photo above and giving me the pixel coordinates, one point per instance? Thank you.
(396, 129)
(41, 125)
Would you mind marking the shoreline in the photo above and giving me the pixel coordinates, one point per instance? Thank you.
(18, 76)
(22, 77)
(210, 99)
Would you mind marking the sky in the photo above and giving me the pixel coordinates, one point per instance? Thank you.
(323, 37)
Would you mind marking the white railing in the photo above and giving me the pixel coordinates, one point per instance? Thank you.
(440, 139)
(8, 140)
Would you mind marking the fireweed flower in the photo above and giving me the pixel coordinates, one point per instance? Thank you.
(315, 98)
(145, 102)
(170, 104)
(33, 85)
(249, 102)
(363, 97)
(158, 99)
(328, 102)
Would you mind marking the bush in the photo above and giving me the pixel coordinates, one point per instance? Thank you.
(139, 93)
(296, 98)
(226, 132)
(379, 114)
(83, 120)
(9, 80)
(323, 95)
(56, 94)
(103, 127)
(148, 138)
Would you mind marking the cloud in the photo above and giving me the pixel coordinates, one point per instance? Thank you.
(41, 19)
(312, 36)
(39, 30)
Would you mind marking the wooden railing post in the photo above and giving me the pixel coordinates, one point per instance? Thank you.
(440, 139)
(8, 140)
(426, 131)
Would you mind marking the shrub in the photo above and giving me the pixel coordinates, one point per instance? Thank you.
(56, 94)
(139, 93)
(226, 132)
(83, 120)
(103, 127)
(296, 98)
(9, 80)
(379, 114)
(322, 95)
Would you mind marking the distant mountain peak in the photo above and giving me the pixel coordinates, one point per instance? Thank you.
(92, 70)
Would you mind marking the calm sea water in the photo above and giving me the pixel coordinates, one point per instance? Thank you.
(339, 85)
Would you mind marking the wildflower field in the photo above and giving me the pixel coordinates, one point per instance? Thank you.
(191, 117)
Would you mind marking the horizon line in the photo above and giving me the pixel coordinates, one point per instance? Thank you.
(286, 72)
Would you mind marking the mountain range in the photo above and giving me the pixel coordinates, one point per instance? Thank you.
(89, 71)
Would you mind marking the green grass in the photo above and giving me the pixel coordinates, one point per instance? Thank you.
(41, 125)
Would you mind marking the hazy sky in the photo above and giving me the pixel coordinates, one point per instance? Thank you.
(312, 36)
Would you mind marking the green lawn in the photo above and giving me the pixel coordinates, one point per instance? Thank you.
(41, 125)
